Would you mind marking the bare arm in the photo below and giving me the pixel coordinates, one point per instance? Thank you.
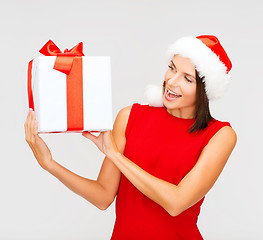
(177, 198)
(100, 192)
(89, 189)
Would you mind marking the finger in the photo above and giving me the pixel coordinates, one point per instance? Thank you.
(27, 117)
(35, 131)
(31, 124)
(86, 134)
(27, 125)
(89, 136)
(34, 125)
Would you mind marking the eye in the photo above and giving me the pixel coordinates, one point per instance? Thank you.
(188, 79)
(171, 67)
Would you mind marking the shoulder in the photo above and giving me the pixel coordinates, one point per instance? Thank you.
(122, 117)
(229, 133)
(124, 113)
(128, 115)
(223, 133)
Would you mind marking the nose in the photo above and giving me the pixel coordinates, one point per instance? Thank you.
(173, 80)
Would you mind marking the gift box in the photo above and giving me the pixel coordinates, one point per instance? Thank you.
(70, 92)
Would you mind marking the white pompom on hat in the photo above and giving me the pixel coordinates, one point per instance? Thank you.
(210, 60)
(154, 95)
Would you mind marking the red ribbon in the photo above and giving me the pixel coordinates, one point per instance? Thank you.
(29, 86)
(70, 63)
(64, 61)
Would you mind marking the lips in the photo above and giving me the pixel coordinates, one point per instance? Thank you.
(172, 98)
(173, 92)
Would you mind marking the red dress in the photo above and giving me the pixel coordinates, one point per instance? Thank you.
(158, 143)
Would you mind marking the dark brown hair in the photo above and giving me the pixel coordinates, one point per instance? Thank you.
(202, 112)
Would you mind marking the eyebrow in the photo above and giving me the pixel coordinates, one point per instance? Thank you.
(184, 73)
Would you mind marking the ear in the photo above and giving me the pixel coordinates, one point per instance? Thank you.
(154, 95)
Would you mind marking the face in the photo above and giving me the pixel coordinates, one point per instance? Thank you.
(180, 78)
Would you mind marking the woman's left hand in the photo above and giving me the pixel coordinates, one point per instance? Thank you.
(105, 142)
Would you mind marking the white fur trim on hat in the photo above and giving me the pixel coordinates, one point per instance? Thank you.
(206, 61)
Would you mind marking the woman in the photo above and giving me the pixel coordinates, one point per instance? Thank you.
(162, 158)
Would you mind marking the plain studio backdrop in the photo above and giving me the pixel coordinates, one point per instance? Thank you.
(135, 34)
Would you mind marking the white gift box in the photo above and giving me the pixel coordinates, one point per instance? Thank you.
(50, 95)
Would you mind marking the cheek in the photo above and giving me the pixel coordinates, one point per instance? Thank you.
(166, 76)
(190, 91)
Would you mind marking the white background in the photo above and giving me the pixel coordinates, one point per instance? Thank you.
(33, 203)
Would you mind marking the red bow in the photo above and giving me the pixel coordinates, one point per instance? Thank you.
(64, 60)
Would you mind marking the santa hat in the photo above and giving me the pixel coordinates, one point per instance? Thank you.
(210, 60)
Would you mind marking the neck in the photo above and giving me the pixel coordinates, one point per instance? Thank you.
(180, 114)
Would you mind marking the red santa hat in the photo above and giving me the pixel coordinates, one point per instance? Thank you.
(210, 60)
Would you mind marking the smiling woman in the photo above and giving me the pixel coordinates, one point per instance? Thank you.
(198, 66)
(164, 178)
(201, 108)
(162, 172)
(157, 169)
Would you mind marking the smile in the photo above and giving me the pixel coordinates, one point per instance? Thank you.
(170, 96)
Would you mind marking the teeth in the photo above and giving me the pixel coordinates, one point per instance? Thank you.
(172, 92)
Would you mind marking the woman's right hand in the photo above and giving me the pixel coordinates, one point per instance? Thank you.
(36, 143)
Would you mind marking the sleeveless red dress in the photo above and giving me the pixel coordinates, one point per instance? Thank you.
(159, 143)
